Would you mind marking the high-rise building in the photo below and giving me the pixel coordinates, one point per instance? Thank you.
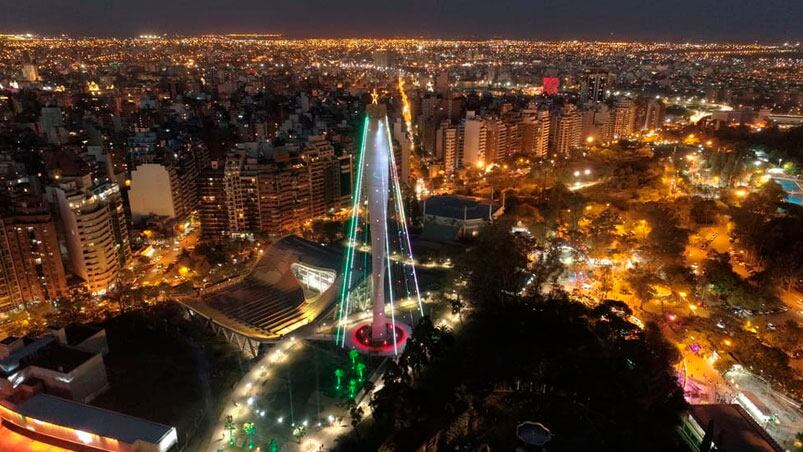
(31, 269)
(405, 148)
(272, 193)
(475, 135)
(156, 191)
(325, 171)
(285, 197)
(594, 86)
(497, 140)
(597, 122)
(455, 107)
(624, 117)
(534, 131)
(96, 230)
(446, 142)
(654, 112)
(567, 128)
(52, 125)
(442, 83)
(242, 200)
(212, 207)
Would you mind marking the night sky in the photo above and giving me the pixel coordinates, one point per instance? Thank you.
(678, 20)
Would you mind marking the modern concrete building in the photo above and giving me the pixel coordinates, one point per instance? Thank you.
(45, 419)
(96, 231)
(60, 369)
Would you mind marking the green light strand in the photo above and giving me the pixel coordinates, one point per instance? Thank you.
(345, 291)
(400, 208)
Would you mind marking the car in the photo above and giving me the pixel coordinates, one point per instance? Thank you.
(721, 324)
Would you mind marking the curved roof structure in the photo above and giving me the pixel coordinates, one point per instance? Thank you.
(294, 283)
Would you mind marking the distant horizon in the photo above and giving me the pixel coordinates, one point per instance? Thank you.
(775, 21)
(282, 36)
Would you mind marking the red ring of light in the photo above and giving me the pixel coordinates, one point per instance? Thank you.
(358, 338)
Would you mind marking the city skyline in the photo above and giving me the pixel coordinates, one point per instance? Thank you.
(686, 20)
(217, 236)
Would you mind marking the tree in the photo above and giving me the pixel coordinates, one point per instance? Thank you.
(601, 387)
(720, 281)
(457, 305)
(703, 211)
(494, 266)
(546, 270)
(356, 413)
(642, 283)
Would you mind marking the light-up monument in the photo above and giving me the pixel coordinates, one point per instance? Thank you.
(378, 227)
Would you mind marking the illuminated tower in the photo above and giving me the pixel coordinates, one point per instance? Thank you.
(377, 171)
(378, 229)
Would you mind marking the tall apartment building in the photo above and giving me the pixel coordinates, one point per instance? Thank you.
(446, 143)
(31, 269)
(594, 85)
(240, 185)
(285, 196)
(597, 122)
(51, 125)
(653, 117)
(567, 129)
(534, 130)
(212, 208)
(497, 140)
(164, 180)
(96, 230)
(624, 117)
(405, 149)
(325, 174)
(156, 191)
(542, 134)
(474, 139)
(273, 194)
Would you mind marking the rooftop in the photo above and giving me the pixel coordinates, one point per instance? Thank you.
(735, 428)
(59, 358)
(460, 207)
(12, 362)
(87, 418)
(77, 334)
(270, 302)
